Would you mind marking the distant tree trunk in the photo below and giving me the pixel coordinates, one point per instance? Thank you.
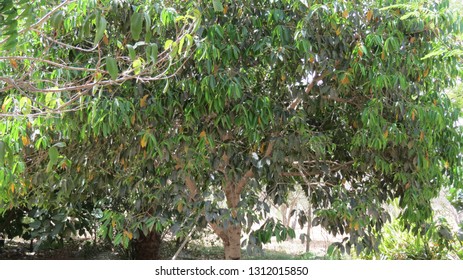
(284, 214)
(309, 228)
(147, 247)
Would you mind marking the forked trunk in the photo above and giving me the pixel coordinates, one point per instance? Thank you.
(147, 247)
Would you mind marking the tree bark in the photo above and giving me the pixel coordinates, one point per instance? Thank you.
(309, 228)
(232, 247)
(147, 247)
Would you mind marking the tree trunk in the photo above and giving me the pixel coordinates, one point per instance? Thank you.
(284, 214)
(232, 246)
(309, 228)
(147, 247)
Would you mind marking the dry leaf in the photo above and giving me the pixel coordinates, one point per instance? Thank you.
(369, 15)
(143, 101)
(25, 140)
(143, 141)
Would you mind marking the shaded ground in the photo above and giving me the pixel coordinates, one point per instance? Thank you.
(73, 250)
(85, 250)
(204, 247)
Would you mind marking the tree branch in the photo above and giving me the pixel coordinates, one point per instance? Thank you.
(220, 232)
(239, 187)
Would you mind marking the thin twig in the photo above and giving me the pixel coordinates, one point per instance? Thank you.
(186, 239)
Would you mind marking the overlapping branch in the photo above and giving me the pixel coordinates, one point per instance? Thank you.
(166, 66)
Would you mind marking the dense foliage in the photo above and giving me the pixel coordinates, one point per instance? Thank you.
(155, 115)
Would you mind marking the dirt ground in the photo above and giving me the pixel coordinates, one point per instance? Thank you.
(84, 249)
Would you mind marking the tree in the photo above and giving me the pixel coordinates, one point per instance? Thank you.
(187, 111)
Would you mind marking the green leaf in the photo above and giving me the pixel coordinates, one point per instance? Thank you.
(53, 155)
(132, 53)
(111, 67)
(136, 24)
(434, 53)
(25, 105)
(2, 151)
(60, 145)
(147, 27)
(35, 224)
(57, 20)
(100, 28)
(168, 44)
(218, 7)
(152, 53)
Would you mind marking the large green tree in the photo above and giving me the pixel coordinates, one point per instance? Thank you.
(162, 112)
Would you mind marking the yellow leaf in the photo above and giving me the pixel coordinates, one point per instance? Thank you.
(143, 141)
(338, 31)
(369, 15)
(446, 165)
(426, 72)
(12, 187)
(202, 134)
(132, 120)
(345, 14)
(113, 223)
(25, 140)
(128, 234)
(143, 101)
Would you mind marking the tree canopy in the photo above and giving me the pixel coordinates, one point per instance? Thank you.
(156, 115)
